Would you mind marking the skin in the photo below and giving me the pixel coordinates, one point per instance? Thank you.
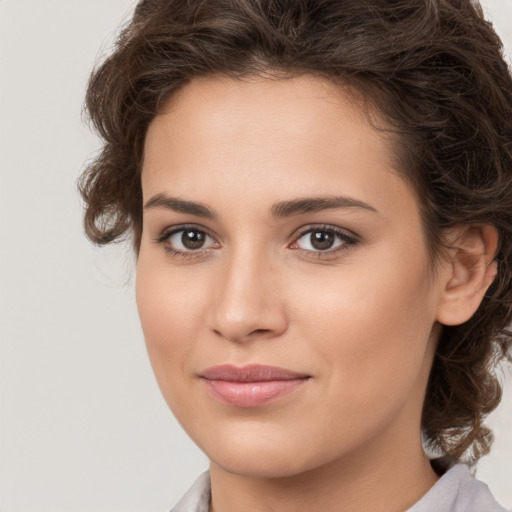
(362, 322)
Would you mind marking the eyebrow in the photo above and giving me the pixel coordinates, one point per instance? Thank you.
(180, 206)
(316, 204)
(278, 210)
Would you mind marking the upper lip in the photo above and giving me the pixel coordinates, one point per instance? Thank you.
(250, 373)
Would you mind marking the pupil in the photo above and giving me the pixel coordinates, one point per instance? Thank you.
(322, 240)
(192, 239)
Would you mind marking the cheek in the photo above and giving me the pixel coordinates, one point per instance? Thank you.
(169, 302)
(371, 329)
(170, 310)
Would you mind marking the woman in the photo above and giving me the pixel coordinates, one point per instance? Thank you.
(319, 195)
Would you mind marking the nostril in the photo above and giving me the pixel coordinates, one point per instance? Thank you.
(256, 333)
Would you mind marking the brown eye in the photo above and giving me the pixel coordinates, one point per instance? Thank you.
(188, 240)
(326, 240)
(193, 239)
(321, 240)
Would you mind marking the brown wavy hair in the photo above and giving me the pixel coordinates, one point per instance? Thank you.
(435, 72)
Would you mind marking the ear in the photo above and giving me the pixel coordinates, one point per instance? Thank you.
(468, 270)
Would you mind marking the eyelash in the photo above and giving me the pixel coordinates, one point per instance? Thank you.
(164, 237)
(349, 241)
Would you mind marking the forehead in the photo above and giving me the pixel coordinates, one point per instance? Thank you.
(297, 136)
(221, 110)
(306, 92)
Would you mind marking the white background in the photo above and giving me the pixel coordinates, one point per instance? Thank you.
(83, 426)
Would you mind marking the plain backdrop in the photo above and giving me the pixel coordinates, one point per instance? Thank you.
(83, 426)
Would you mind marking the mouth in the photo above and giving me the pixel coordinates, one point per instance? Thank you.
(252, 385)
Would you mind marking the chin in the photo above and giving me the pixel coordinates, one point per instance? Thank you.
(258, 456)
(272, 465)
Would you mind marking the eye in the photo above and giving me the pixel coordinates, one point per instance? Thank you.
(323, 240)
(185, 241)
(188, 239)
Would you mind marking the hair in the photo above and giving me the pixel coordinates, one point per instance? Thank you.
(433, 70)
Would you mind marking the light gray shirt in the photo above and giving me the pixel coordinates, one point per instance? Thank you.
(455, 491)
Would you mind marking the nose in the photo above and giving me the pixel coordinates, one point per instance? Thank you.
(248, 302)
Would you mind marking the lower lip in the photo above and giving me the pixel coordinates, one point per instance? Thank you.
(251, 394)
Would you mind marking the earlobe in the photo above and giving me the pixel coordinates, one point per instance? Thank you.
(468, 271)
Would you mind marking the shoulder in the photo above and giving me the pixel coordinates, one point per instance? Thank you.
(458, 491)
(197, 498)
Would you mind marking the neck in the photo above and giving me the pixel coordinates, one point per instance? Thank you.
(377, 479)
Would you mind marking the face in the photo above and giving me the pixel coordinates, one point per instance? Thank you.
(283, 282)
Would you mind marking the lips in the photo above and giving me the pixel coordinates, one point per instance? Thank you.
(251, 386)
